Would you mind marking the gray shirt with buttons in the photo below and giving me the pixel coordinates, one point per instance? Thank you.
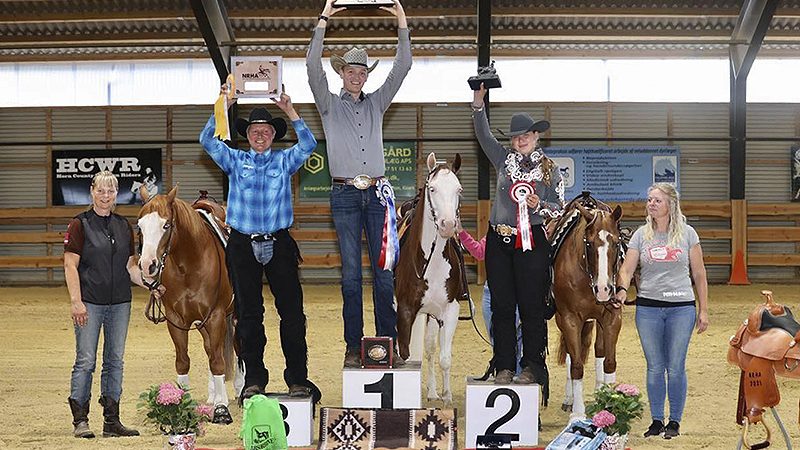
(504, 209)
(354, 127)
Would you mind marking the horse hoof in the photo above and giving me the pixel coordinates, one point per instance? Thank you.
(221, 415)
(566, 408)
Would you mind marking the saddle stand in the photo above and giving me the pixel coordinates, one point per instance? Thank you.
(764, 346)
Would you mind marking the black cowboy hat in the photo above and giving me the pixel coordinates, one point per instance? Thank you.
(261, 115)
(522, 123)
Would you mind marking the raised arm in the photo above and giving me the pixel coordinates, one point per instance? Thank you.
(216, 149)
(402, 59)
(317, 80)
(306, 143)
(491, 147)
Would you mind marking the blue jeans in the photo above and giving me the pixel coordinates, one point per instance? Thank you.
(486, 301)
(113, 319)
(665, 335)
(355, 211)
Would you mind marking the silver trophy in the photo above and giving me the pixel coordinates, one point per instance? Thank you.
(486, 75)
(362, 4)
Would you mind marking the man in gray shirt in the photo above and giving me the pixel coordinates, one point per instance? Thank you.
(353, 125)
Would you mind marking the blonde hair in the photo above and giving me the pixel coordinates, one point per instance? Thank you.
(677, 221)
(105, 178)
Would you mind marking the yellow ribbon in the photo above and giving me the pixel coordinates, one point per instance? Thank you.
(221, 125)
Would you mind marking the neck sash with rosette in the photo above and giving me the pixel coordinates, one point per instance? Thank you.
(524, 172)
(390, 246)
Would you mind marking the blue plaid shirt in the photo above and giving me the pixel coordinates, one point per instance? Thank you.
(259, 185)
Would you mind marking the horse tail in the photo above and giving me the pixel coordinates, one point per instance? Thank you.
(228, 351)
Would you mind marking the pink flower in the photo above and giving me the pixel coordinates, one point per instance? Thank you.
(169, 394)
(603, 419)
(205, 410)
(628, 389)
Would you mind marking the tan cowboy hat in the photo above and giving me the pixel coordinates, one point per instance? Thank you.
(354, 57)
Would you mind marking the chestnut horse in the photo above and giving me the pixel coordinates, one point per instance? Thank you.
(180, 251)
(428, 276)
(588, 256)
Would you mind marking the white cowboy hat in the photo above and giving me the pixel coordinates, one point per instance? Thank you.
(354, 57)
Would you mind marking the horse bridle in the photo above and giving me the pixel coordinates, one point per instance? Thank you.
(587, 249)
(170, 225)
(427, 189)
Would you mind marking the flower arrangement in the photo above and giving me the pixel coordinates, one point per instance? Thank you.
(171, 408)
(615, 406)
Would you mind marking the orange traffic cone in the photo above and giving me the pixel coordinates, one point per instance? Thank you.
(739, 270)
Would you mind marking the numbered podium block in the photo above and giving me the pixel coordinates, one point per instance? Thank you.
(298, 419)
(400, 387)
(502, 409)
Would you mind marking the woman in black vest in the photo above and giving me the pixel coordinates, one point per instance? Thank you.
(99, 267)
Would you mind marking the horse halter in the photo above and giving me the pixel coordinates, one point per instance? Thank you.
(587, 249)
(170, 225)
(427, 190)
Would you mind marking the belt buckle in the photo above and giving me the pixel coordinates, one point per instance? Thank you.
(504, 230)
(362, 181)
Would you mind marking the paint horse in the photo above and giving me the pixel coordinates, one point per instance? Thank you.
(180, 250)
(429, 277)
(587, 252)
(764, 346)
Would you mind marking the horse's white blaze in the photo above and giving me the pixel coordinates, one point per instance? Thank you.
(152, 228)
(444, 190)
(603, 258)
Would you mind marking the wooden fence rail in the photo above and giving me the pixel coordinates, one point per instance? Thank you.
(737, 215)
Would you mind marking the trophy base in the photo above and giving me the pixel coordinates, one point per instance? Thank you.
(488, 83)
(362, 4)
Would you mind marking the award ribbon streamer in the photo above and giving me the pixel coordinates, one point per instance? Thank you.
(518, 192)
(221, 126)
(390, 246)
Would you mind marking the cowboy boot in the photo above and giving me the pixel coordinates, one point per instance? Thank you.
(80, 419)
(112, 427)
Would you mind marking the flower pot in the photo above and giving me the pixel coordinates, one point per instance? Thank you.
(180, 441)
(614, 442)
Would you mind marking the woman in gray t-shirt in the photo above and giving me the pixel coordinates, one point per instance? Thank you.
(668, 252)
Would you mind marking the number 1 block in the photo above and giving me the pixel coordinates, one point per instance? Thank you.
(511, 409)
(383, 388)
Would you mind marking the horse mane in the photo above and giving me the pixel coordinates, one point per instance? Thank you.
(183, 213)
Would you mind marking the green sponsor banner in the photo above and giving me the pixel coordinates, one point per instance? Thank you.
(401, 170)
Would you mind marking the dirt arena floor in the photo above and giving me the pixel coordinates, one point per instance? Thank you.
(37, 351)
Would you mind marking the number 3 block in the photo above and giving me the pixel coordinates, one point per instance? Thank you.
(298, 419)
(503, 409)
(382, 388)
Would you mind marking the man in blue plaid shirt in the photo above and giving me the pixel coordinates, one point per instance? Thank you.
(260, 214)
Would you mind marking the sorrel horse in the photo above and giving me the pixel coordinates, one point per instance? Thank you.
(764, 346)
(588, 254)
(180, 251)
(428, 276)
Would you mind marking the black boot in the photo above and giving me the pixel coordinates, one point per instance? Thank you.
(112, 427)
(80, 419)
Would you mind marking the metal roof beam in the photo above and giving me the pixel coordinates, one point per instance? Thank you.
(212, 18)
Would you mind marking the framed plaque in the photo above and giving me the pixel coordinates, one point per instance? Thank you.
(377, 352)
(257, 76)
(362, 4)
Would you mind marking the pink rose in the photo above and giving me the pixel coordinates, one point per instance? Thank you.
(169, 394)
(603, 419)
(628, 389)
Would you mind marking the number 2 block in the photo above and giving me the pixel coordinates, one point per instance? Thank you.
(502, 409)
(382, 388)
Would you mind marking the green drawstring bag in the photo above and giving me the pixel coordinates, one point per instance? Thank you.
(262, 424)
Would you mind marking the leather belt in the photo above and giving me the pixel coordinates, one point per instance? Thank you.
(359, 181)
(504, 230)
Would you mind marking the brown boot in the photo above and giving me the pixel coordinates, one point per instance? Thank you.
(80, 419)
(112, 427)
